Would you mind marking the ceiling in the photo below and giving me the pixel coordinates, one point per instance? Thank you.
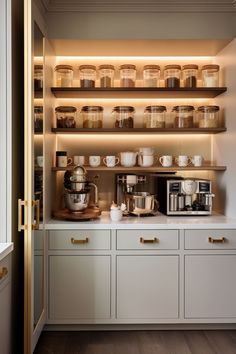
(134, 6)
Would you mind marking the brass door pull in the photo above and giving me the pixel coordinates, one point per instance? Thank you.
(79, 242)
(36, 204)
(3, 272)
(153, 240)
(216, 240)
(21, 203)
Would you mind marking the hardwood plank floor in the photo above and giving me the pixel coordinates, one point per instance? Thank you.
(138, 342)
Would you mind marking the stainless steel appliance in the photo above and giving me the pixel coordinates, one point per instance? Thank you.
(187, 196)
(134, 191)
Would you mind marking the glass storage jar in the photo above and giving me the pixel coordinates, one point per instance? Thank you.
(208, 116)
(66, 116)
(87, 75)
(106, 74)
(183, 116)
(64, 75)
(190, 73)
(210, 75)
(92, 116)
(38, 77)
(151, 75)
(127, 75)
(38, 119)
(155, 117)
(123, 116)
(172, 76)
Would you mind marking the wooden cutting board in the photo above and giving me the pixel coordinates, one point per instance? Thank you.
(87, 214)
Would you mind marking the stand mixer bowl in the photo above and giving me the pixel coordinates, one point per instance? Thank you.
(76, 201)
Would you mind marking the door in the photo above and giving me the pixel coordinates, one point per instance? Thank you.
(34, 244)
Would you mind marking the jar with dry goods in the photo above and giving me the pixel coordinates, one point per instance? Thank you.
(151, 76)
(92, 116)
(183, 116)
(190, 73)
(208, 116)
(127, 75)
(172, 75)
(155, 117)
(38, 77)
(66, 116)
(210, 75)
(38, 119)
(87, 75)
(106, 75)
(123, 116)
(64, 75)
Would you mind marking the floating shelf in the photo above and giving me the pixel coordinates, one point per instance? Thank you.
(139, 131)
(137, 92)
(146, 169)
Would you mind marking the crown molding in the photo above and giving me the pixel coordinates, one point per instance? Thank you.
(136, 6)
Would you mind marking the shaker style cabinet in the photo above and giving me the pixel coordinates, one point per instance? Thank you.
(147, 287)
(5, 305)
(79, 287)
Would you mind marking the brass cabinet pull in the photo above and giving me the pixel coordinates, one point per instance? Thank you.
(79, 242)
(21, 203)
(216, 240)
(36, 205)
(153, 240)
(3, 272)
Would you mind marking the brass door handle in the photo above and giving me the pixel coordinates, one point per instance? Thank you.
(79, 242)
(36, 205)
(153, 240)
(21, 203)
(216, 240)
(3, 272)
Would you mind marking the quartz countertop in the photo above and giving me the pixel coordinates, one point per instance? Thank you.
(5, 249)
(159, 221)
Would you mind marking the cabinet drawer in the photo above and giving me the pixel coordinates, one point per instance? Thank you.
(5, 268)
(147, 239)
(210, 239)
(80, 240)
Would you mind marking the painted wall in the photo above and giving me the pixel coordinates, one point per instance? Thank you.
(76, 25)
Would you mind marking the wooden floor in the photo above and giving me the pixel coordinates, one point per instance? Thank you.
(138, 342)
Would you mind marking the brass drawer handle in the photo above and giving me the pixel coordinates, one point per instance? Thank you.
(3, 272)
(216, 240)
(153, 240)
(79, 242)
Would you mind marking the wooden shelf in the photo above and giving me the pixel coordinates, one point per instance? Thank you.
(139, 131)
(146, 169)
(137, 92)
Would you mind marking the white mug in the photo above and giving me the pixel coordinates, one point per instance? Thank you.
(78, 160)
(116, 214)
(39, 160)
(128, 158)
(145, 160)
(197, 160)
(94, 161)
(111, 161)
(182, 160)
(166, 160)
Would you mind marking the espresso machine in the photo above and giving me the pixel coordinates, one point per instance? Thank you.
(134, 191)
(185, 196)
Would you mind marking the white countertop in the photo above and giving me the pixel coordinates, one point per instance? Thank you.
(5, 249)
(151, 222)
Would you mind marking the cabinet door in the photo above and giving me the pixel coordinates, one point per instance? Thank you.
(210, 287)
(147, 287)
(5, 306)
(79, 287)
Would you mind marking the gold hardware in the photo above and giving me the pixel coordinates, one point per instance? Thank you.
(143, 240)
(216, 240)
(21, 203)
(36, 204)
(3, 272)
(79, 242)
